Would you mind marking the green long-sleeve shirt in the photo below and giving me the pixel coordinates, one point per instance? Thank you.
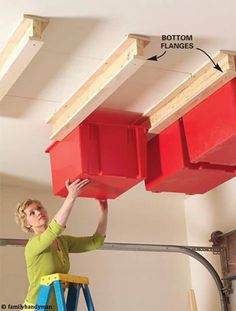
(42, 258)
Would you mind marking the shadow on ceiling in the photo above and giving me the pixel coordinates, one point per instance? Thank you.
(16, 181)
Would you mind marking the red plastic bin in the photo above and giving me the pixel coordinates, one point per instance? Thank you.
(113, 157)
(169, 168)
(210, 128)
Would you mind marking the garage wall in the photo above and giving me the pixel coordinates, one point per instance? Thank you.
(213, 211)
(119, 280)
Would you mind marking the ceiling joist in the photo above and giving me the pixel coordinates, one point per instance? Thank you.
(122, 63)
(192, 92)
(23, 45)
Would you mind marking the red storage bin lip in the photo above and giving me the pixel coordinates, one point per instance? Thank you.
(51, 146)
(117, 117)
(116, 125)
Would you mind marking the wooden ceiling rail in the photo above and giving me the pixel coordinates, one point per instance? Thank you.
(23, 45)
(192, 92)
(118, 67)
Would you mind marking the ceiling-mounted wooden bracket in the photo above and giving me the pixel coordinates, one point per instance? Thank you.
(118, 67)
(38, 25)
(191, 92)
(23, 45)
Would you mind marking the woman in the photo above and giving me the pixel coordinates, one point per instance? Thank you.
(47, 252)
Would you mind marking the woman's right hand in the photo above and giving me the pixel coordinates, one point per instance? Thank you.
(75, 187)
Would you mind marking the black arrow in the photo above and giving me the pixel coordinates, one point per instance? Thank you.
(216, 66)
(156, 57)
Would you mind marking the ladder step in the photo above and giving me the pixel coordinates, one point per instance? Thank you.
(75, 283)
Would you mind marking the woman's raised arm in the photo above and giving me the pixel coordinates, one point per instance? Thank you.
(74, 190)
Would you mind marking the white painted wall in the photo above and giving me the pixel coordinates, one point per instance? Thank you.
(216, 210)
(119, 280)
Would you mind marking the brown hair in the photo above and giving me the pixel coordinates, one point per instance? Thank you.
(20, 215)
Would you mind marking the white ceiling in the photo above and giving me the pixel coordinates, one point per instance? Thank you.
(79, 37)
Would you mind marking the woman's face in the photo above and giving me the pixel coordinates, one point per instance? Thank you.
(37, 217)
